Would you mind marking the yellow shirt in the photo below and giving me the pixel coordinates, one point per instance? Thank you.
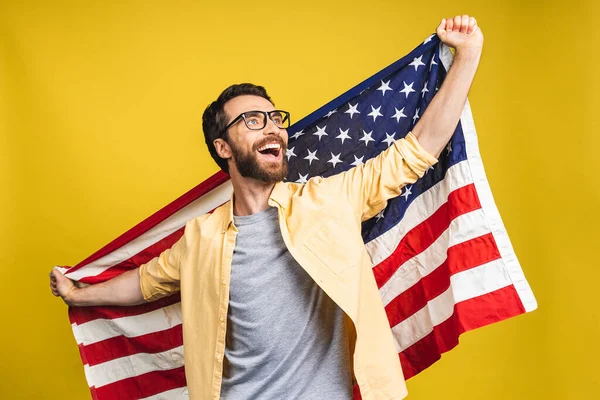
(320, 223)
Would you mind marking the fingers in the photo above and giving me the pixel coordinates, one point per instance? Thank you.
(460, 23)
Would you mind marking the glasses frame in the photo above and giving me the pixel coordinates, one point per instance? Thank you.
(267, 114)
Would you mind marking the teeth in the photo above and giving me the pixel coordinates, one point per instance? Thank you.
(270, 146)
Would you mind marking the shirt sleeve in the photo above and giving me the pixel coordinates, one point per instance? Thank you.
(368, 187)
(160, 276)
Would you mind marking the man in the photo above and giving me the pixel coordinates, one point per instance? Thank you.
(277, 293)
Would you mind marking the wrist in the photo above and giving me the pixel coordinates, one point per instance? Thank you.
(470, 52)
(71, 297)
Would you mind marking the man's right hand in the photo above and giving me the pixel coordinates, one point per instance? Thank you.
(124, 290)
(62, 286)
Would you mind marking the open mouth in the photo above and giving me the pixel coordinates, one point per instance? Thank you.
(270, 151)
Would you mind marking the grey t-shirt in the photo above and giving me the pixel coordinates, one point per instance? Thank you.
(285, 337)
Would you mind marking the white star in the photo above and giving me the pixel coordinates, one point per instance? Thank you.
(302, 178)
(352, 110)
(416, 116)
(429, 39)
(343, 135)
(380, 215)
(389, 139)
(407, 192)
(417, 62)
(335, 159)
(429, 169)
(297, 134)
(367, 137)
(385, 86)
(290, 153)
(330, 113)
(375, 113)
(432, 62)
(311, 156)
(399, 114)
(407, 89)
(425, 90)
(358, 161)
(320, 132)
(449, 147)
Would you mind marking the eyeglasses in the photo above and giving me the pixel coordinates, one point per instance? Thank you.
(256, 120)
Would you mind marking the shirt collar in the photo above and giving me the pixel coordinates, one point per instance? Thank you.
(277, 199)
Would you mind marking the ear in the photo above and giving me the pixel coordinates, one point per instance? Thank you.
(222, 148)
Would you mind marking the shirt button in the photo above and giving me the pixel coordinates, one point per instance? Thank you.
(223, 282)
(221, 319)
(218, 357)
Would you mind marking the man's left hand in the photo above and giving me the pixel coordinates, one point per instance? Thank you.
(461, 32)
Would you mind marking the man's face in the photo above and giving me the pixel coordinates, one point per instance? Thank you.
(250, 156)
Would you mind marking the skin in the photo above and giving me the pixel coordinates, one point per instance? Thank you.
(433, 131)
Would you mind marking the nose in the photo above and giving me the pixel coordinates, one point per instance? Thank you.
(271, 128)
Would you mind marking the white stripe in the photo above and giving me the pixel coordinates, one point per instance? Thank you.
(173, 394)
(464, 285)
(487, 201)
(134, 365)
(200, 206)
(463, 228)
(419, 210)
(136, 325)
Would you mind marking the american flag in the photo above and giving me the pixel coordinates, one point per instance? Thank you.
(441, 256)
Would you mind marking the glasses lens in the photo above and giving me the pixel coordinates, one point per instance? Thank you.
(254, 120)
(280, 118)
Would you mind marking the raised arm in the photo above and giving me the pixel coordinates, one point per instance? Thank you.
(436, 126)
(123, 290)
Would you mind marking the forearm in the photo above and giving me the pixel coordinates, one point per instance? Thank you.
(123, 290)
(436, 126)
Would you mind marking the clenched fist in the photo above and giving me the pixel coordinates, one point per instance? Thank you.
(460, 32)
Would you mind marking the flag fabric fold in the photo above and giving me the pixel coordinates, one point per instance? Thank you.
(441, 256)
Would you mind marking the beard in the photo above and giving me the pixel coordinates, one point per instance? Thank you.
(249, 166)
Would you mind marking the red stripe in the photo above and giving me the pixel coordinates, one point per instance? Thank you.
(461, 257)
(156, 218)
(81, 315)
(460, 201)
(141, 386)
(470, 314)
(135, 261)
(122, 346)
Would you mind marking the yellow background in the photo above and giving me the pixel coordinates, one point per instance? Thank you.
(100, 121)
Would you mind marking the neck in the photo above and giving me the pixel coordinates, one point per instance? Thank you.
(250, 196)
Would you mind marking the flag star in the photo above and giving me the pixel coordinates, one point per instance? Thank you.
(375, 113)
(330, 113)
(385, 86)
(290, 153)
(449, 147)
(429, 39)
(407, 89)
(302, 178)
(343, 135)
(425, 90)
(367, 137)
(429, 169)
(416, 116)
(298, 134)
(320, 132)
(399, 114)
(311, 157)
(389, 139)
(352, 110)
(358, 161)
(380, 215)
(335, 159)
(417, 62)
(432, 62)
(407, 192)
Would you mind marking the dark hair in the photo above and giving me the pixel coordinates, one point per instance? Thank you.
(214, 119)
